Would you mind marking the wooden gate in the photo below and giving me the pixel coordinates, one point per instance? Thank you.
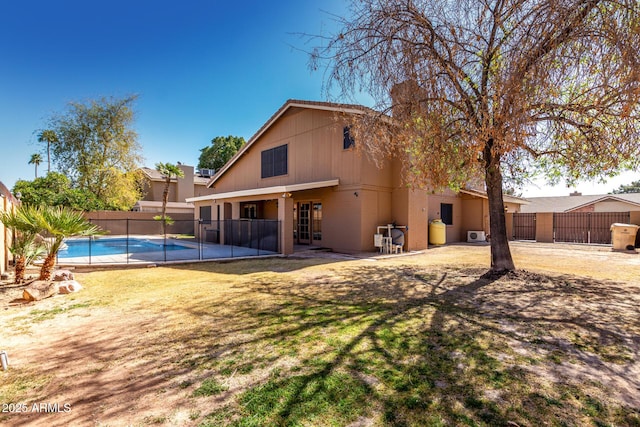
(524, 226)
(586, 227)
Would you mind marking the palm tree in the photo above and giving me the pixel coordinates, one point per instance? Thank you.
(50, 137)
(24, 227)
(59, 223)
(168, 171)
(36, 159)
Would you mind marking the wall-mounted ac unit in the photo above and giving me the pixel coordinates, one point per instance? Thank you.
(476, 236)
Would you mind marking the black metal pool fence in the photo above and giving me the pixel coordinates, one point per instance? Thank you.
(178, 241)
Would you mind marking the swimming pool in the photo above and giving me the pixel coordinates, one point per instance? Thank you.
(98, 247)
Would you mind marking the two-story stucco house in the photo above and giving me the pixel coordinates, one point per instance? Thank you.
(302, 169)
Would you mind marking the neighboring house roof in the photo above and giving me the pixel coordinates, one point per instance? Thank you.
(571, 203)
(155, 175)
(291, 103)
(505, 197)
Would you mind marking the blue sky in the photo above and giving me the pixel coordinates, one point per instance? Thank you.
(200, 68)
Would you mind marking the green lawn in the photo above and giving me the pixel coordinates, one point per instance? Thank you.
(404, 342)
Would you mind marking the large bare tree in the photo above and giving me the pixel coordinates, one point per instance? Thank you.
(493, 89)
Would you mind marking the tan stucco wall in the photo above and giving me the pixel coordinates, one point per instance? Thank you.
(115, 222)
(410, 207)
(184, 186)
(154, 190)
(472, 216)
(454, 231)
(511, 207)
(508, 218)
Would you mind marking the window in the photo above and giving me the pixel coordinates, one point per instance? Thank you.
(317, 221)
(347, 138)
(248, 210)
(274, 161)
(446, 213)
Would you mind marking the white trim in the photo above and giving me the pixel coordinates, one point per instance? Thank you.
(267, 190)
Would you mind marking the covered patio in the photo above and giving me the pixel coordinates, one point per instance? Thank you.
(297, 209)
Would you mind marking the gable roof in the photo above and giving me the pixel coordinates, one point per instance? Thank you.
(291, 103)
(571, 203)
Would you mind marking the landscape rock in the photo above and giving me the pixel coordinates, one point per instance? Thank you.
(68, 286)
(61, 275)
(40, 289)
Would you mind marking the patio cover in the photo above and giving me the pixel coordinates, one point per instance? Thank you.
(267, 190)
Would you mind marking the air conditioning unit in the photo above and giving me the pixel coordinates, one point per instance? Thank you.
(476, 236)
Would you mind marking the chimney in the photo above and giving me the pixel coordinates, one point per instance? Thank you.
(575, 193)
(405, 97)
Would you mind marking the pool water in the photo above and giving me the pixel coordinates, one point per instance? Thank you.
(86, 247)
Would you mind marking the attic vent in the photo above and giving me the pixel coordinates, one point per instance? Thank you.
(207, 173)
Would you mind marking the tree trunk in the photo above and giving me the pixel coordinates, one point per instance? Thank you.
(501, 259)
(165, 200)
(20, 269)
(47, 267)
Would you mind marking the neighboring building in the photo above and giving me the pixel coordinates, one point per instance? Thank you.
(180, 189)
(7, 203)
(302, 169)
(576, 202)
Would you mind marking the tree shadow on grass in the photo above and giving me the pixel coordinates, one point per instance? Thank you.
(360, 345)
(456, 347)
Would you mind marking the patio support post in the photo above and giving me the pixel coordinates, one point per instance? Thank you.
(285, 216)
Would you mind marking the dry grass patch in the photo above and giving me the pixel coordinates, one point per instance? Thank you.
(404, 341)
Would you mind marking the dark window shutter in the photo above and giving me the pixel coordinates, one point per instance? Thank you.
(274, 162)
(280, 160)
(267, 163)
(446, 213)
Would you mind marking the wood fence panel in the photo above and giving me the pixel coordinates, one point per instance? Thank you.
(524, 226)
(586, 227)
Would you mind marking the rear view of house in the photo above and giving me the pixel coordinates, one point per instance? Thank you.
(303, 170)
